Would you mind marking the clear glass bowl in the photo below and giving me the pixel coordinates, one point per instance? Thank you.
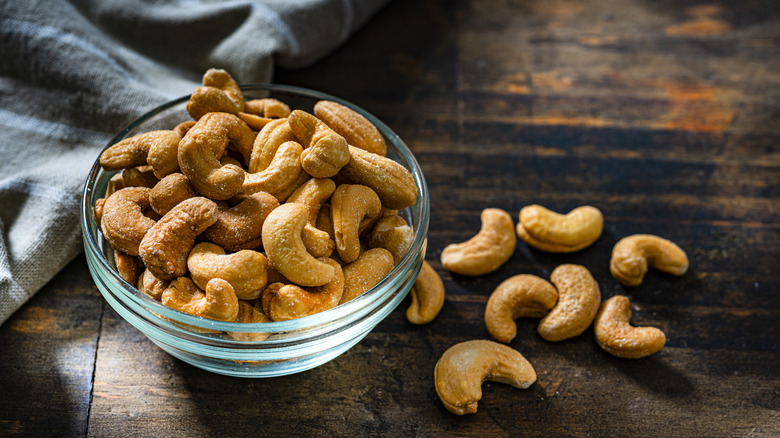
(237, 349)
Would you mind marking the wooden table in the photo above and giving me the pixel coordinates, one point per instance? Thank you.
(663, 114)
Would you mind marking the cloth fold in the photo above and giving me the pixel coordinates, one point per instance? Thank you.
(75, 73)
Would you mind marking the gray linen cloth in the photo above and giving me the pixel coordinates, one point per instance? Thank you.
(75, 73)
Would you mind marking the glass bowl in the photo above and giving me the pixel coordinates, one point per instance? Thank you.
(258, 349)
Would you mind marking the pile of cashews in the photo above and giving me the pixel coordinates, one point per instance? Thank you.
(253, 212)
(567, 304)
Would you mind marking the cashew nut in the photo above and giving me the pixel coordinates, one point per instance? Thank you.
(182, 129)
(151, 285)
(251, 315)
(325, 152)
(350, 204)
(554, 232)
(355, 128)
(463, 368)
(219, 93)
(134, 151)
(282, 176)
(222, 80)
(317, 242)
(312, 194)
(632, 255)
(255, 122)
(487, 250)
(169, 192)
(217, 302)
(390, 180)
(520, 296)
(268, 108)
(286, 251)
(392, 233)
(616, 336)
(366, 272)
(427, 296)
(123, 223)
(268, 140)
(245, 270)
(129, 267)
(241, 226)
(165, 247)
(141, 176)
(282, 302)
(578, 302)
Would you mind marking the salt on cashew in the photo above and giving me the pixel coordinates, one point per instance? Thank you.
(618, 337)
(632, 255)
(463, 368)
(205, 143)
(487, 250)
(578, 302)
(169, 192)
(312, 194)
(349, 205)
(282, 177)
(366, 272)
(393, 234)
(267, 142)
(248, 314)
(241, 226)
(151, 285)
(165, 247)
(355, 128)
(554, 232)
(245, 270)
(123, 222)
(325, 152)
(427, 296)
(134, 151)
(282, 302)
(218, 301)
(268, 107)
(129, 267)
(389, 179)
(286, 251)
(219, 93)
(317, 242)
(519, 296)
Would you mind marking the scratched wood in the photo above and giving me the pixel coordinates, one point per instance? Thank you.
(664, 114)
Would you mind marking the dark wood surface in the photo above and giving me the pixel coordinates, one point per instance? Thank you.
(663, 114)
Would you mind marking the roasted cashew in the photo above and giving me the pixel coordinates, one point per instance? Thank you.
(267, 142)
(268, 107)
(393, 234)
(165, 247)
(141, 176)
(355, 128)
(325, 152)
(520, 296)
(123, 222)
(463, 368)
(222, 80)
(151, 285)
(241, 226)
(427, 296)
(554, 232)
(317, 242)
(312, 194)
(578, 302)
(217, 302)
(203, 146)
(351, 204)
(282, 176)
(632, 255)
(219, 93)
(286, 251)
(390, 180)
(282, 302)
(129, 267)
(616, 336)
(487, 250)
(169, 192)
(182, 129)
(249, 314)
(245, 270)
(366, 272)
(255, 122)
(134, 151)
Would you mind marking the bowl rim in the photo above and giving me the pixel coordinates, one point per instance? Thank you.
(364, 301)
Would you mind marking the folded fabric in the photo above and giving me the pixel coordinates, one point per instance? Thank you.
(74, 73)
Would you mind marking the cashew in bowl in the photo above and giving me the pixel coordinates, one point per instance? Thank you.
(554, 232)
(366, 272)
(325, 151)
(218, 301)
(282, 302)
(487, 250)
(241, 226)
(390, 180)
(313, 194)
(251, 315)
(219, 93)
(520, 296)
(392, 233)
(460, 371)
(427, 296)
(355, 128)
(245, 270)
(632, 255)
(267, 142)
(267, 107)
(616, 336)
(169, 192)
(578, 302)
(351, 204)
(282, 176)
(152, 147)
(123, 222)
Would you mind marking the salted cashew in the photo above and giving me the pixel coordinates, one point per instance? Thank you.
(427, 296)
(241, 226)
(123, 222)
(487, 250)
(267, 142)
(165, 247)
(282, 176)
(578, 302)
(245, 270)
(282, 302)
(317, 242)
(141, 176)
(219, 93)
(351, 204)
(312, 194)
(183, 127)
(554, 232)
(463, 368)
(129, 267)
(632, 255)
(249, 314)
(286, 251)
(205, 143)
(325, 152)
(618, 337)
(218, 301)
(390, 180)
(169, 192)
(268, 107)
(366, 272)
(351, 125)
(519, 296)
(151, 285)
(135, 151)
(255, 122)
(392, 233)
